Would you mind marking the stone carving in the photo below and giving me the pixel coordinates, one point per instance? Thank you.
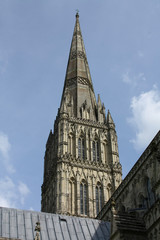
(78, 54)
(37, 229)
(80, 80)
(70, 82)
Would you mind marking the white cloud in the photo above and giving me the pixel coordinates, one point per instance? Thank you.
(5, 147)
(7, 194)
(23, 190)
(133, 80)
(145, 117)
(12, 194)
(126, 78)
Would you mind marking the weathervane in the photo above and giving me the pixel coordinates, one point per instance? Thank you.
(77, 13)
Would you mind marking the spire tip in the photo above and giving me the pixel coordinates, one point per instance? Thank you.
(77, 13)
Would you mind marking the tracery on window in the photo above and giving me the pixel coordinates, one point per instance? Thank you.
(109, 188)
(95, 149)
(83, 198)
(99, 198)
(71, 143)
(81, 148)
(72, 196)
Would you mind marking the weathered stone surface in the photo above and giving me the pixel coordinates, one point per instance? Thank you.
(80, 119)
(139, 192)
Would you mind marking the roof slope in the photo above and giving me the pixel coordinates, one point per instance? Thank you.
(20, 224)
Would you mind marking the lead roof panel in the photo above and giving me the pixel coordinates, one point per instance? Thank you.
(20, 224)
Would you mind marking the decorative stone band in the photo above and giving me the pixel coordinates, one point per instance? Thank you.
(80, 80)
(149, 150)
(78, 54)
(88, 122)
(69, 160)
(72, 161)
(71, 82)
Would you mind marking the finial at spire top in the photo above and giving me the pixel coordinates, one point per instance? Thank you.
(77, 13)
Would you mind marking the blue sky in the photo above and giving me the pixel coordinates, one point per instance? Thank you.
(122, 44)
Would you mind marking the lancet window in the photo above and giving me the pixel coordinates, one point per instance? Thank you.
(95, 149)
(109, 190)
(99, 197)
(72, 196)
(81, 148)
(61, 132)
(142, 201)
(83, 198)
(71, 144)
(105, 152)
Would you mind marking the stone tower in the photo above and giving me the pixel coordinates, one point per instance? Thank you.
(81, 164)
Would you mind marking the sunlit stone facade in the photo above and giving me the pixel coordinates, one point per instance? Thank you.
(81, 167)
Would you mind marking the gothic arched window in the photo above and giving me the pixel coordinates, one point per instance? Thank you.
(72, 196)
(109, 190)
(61, 132)
(95, 148)
(83, 198)
(71, 144)
(151, 197)
(142, 201)
(99, 198)
(81, 148)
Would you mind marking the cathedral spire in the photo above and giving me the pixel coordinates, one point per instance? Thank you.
(78, 84)
(82, 146)
(77, 63)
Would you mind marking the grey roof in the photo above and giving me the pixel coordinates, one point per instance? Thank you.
(20, 224)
